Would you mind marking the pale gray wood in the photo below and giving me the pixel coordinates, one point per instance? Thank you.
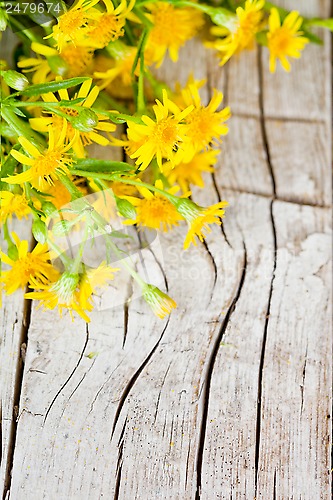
(305, 94)
(293, 426)
(13, 319)
(295, 438)
(216, 400)
(301, 159)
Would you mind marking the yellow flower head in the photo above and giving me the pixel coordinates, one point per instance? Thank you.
(75, 60)
(284, 40)
(204, 124)
(240, 34)
(199, 218)
(161, 138)
(72, 291)
(172, 28)
(46, 166)
(13, 204)
(28, 266)
(108, 26)
(78, 138)
(159, 301)
(154, 210)
(186, 173)
(73, 24)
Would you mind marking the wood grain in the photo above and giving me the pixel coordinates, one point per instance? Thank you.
(230, 397)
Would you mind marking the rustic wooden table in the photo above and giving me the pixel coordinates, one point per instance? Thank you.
(231, 396)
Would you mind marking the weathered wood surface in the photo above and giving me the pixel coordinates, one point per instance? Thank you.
(230, 397)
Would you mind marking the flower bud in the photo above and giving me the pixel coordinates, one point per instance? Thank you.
(62, 227)
(48, 208)
(3, 20)
(125, 208)
(15, 80)
(39, 231)
(85, 121)
(159, 301)
(58, 65)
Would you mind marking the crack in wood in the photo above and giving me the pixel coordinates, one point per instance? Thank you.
(159, 394)
(262, 354)
(133, 379)
(220, 199)
(120, 460)
(262, 120)
(303, 380)
(208, 378)
(70, 376)
(16, 399)
(126, 306)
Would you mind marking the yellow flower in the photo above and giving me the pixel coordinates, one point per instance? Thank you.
(44, 167)
(75, 60)
(108, 26)
(204, 123)
(172, 28)
(160, 139)
(154, 210)
(199, 218)
(284, 40)
(13, 204)
(118, 68)
(60, 196)
(72, 291)
(186, 173)
(27, 267)
(79, 139)
(240, 33)
(73, 24)
(159, 301)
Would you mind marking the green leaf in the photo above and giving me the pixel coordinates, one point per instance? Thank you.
(312, 37)
(96, 165)
(43, 88)
(323, 23)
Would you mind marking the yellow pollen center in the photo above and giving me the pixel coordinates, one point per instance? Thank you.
(71, 21)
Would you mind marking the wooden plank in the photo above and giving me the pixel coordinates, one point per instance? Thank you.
(301, 159)
(305, 94)
(14, 319)
(290, 423)
(295, 433)
(242, 164)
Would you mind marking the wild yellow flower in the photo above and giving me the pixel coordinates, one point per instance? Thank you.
(118, 68)
(73, 24)
(72, 291)
(13, 204)
(161, 138)
(186, 173)
(74, 60)
(172, 28)
(109, 26)
(28, 266)
(154, 210)
(78, 138)
(284, 40)
(204, 124)
(159, 301)
(60, 196)
(199, 218)
(241, 31)
(46, 166)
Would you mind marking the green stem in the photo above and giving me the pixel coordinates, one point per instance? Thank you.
(102, 224)
(116, 178)
(21, 128)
